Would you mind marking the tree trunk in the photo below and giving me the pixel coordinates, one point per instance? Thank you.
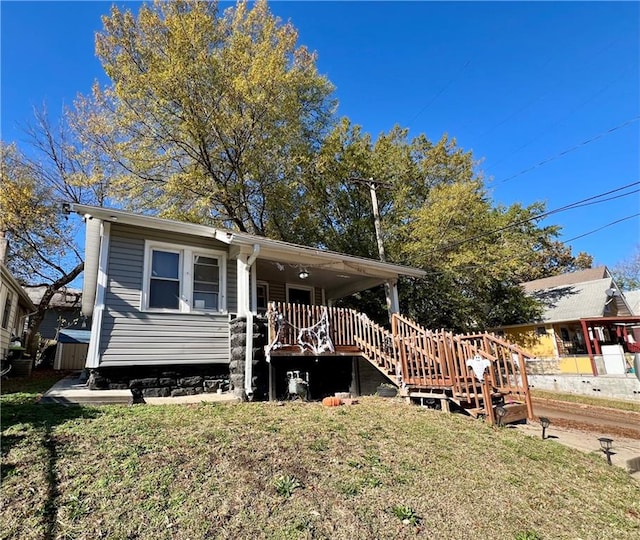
(36, 318)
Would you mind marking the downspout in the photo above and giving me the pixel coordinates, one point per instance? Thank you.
(93, 354)
(248, 356)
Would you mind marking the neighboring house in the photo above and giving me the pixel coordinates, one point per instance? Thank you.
(63, 310)
(180, 301)
(587, 323)
(15, 306)
(633, 300)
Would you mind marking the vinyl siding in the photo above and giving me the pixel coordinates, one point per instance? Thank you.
(15, 320)
(278, 293)
(130, 336)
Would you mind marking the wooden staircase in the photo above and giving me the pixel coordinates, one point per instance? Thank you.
(429, 367)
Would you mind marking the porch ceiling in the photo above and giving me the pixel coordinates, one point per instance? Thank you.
(337, 278)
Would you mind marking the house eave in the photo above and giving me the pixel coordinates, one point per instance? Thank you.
(24, 297)
(269, 248)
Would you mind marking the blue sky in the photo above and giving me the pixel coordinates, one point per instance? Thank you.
(545, 94)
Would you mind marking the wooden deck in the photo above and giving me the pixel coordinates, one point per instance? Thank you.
(295, 350)
(427, 362)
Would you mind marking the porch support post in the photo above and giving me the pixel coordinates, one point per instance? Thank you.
(587, 340)
(254, 289)
(392, 297)
(355, 376)
(272, 382)
(244, 263)
(242, 284)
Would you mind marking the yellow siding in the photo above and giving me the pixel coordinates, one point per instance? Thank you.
(541, 346)
(576, 364)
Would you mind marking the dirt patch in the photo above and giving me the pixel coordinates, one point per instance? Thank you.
(589, 418)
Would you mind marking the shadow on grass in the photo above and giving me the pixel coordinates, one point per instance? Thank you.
(23, 409)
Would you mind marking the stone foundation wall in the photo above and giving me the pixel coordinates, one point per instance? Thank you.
(162, 381)
(259, 379)
(184, 380)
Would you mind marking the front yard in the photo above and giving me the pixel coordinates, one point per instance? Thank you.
(378, 469)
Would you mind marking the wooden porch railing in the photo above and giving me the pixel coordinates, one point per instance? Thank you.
(414, 357)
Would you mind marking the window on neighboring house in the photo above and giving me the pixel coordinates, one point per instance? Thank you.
(6, 312)
(541, 331)
(182, 279)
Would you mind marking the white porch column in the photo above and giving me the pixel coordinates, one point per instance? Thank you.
(246, 287)
(246, 268)
(391, 288)
(242, 284)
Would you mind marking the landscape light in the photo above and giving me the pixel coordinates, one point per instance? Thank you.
(605, 444)
(544, 422)
(500, 412)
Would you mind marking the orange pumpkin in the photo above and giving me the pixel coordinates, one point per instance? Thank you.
(332, 401)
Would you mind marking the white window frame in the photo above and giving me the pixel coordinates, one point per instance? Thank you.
(185, 275)
(8, 303)
(309, 288)
(264, 284)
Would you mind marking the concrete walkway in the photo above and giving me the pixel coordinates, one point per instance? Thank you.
(625, 452)
(73, 391)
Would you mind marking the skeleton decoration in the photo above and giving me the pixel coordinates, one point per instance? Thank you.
(316, 338)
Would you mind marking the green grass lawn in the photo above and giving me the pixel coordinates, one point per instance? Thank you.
(378, 469)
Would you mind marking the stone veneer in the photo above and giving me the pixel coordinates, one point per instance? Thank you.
(162, 381)
(259, 379)
(183, 380)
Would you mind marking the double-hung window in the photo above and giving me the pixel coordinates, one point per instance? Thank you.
(183, 279)
(164, 280)
(206, 282)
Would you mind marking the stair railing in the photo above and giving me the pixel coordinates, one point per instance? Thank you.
(415, 356)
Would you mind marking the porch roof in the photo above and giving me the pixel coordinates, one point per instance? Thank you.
(330, 269)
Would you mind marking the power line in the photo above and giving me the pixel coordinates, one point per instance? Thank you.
(571, 206)
(587, 201)
(440, 92)
(494, 164)
(588, 55)
(565, 152)
(605, 200)
(603, 227)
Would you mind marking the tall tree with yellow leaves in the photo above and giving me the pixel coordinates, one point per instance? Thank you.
(211, 116)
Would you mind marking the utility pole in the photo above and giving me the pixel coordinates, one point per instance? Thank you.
(376, 219)
(372, 185)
